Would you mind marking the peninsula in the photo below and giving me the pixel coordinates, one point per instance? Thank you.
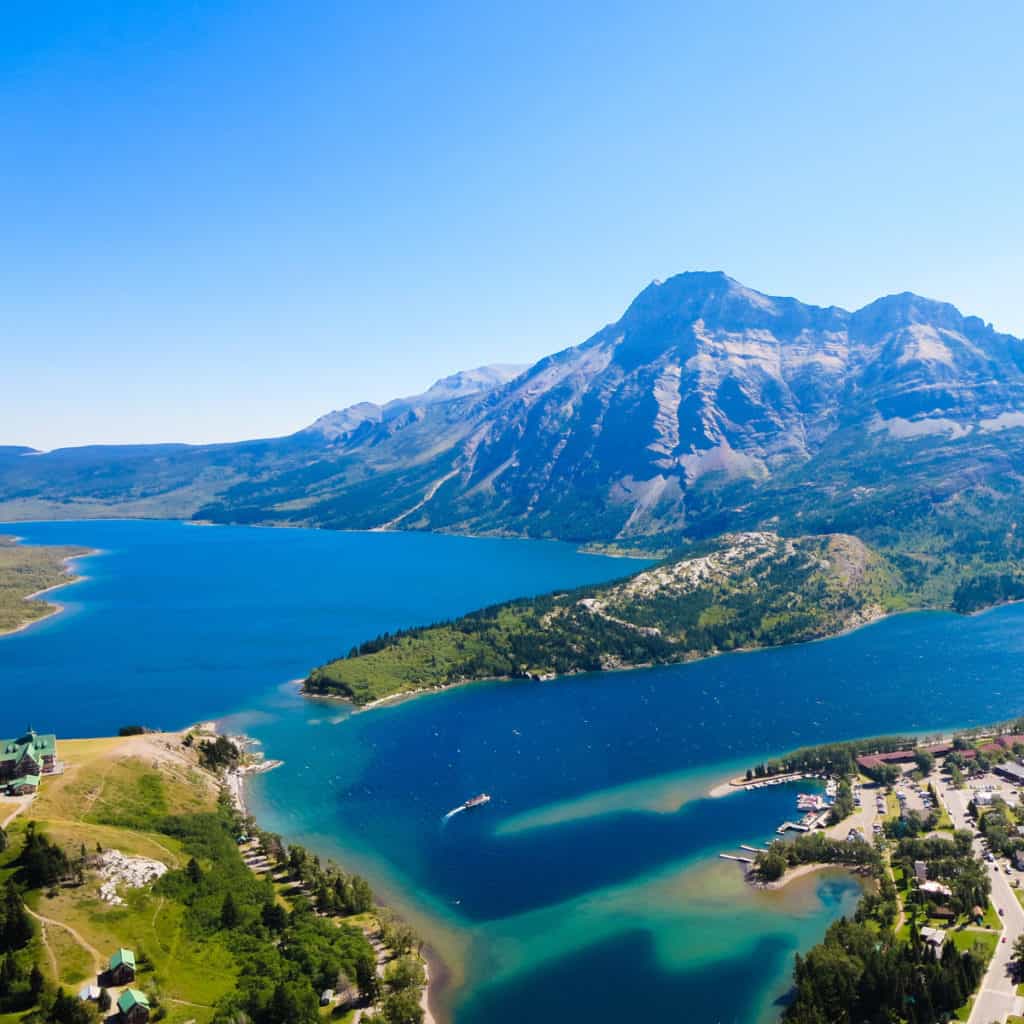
(740, 591)
(27, 572)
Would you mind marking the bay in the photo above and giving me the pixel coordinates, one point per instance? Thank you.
(589, 888)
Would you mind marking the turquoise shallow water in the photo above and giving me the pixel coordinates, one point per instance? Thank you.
(589, 888)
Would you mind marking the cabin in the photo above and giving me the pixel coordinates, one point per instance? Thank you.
(133, 1006)
(920, 870)
(28, 756)
(934, 938)
(122, 968)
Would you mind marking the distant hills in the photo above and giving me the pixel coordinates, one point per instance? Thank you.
(706, 407)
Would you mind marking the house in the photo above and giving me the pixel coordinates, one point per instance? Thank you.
(933, 937)
(122, 968)
(133, 1006)
(24, 785)
(936, 889)
(983, 799)
(920, 871)
(32, 754)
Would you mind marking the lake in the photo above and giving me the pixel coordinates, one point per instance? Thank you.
(589, 888)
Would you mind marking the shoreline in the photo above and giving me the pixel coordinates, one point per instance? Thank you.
(436, 971)
(800, 871)
(55, 607)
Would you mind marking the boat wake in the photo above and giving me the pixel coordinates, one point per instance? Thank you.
(476, 801)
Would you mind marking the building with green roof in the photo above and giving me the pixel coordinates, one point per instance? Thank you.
(122, 967)
(23, 785)
(31, 754)
(133, 1006)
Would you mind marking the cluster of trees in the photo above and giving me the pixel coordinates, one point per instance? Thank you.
(20, 980)
(286, 957)
(43, 864)
(218, 753)
(843, 805)
(987, 589)
(996, 825)
(911, 823)
(830, 758)
(814, 848)
(332, 890)
(854, 978)
(950, 861)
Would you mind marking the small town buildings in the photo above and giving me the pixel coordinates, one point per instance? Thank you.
(936, 889)
(24, 759)
(920, 870)
(1008, 770)
(122, 968)
(133, 1006)
(934, 938)
(983, 798)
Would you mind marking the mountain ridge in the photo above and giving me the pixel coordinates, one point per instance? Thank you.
(703, 405)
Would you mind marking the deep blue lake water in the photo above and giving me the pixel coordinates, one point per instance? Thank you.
(589, 888)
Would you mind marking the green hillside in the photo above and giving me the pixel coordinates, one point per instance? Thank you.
(750, 590)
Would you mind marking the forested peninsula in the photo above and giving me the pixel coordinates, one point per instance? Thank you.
(748, 590)
(740, 591)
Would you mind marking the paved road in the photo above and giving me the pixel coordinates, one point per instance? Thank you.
(998, 994)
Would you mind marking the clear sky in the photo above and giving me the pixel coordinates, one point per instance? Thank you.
(222, 219)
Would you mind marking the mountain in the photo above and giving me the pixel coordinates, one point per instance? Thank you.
(706, 407)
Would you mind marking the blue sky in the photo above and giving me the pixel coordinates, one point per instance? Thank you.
(222, 219)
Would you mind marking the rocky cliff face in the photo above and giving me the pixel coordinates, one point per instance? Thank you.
(704, 406)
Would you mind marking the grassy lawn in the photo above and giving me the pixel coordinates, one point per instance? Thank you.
(992, 918)
(892, 807)
(111, 794)
(983, 943)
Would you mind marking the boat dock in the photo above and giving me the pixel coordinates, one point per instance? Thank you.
(752, 849)
(796, 826)
(733, 856)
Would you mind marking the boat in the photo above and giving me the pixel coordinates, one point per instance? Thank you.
(477, 801)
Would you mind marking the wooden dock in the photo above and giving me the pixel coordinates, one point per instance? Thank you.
(752, 849)
(796, 826)
(733, 856)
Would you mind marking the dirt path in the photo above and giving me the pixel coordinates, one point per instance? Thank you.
(46, 945)
(98, 960)
(22, 804)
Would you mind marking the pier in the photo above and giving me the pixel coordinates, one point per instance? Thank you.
(752, 849)
(733, 856)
